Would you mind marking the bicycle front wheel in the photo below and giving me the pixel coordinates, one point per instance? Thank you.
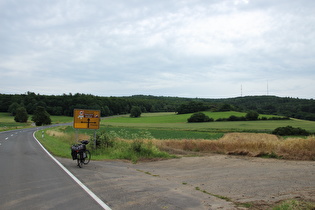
(88, 157)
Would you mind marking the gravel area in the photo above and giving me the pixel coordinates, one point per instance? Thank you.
(207, 182)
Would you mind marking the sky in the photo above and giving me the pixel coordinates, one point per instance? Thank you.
(183, 48)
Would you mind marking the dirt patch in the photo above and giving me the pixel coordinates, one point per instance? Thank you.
(207, 182)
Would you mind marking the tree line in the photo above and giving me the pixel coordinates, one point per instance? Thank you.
(66, 103)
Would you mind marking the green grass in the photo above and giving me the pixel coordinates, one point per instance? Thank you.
(59, 146)
(166, 133)
(172, 121)
(171, 117)
(61, 119)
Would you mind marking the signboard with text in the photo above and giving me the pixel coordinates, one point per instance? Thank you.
(86, 119)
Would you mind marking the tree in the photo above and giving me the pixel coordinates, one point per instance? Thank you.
(13, 107)
(41, 116)
(225, 107)
(21, 115)
(135, 111)
(252, 115)
(106, 111)
(191, 107)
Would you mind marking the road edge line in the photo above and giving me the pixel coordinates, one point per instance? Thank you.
(85, 188)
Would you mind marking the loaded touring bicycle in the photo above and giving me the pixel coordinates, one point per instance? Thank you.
(80, 153)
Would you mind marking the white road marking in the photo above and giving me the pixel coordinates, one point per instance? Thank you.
(97, 199)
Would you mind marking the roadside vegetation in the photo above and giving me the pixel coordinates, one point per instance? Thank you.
(172, 133)
(128, 138)
(58, 141)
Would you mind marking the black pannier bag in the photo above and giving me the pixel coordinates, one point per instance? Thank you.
(74, 155)
(77, 148)
(74, 149)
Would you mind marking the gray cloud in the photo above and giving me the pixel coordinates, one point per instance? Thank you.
(181, 48)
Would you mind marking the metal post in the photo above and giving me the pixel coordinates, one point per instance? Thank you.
(95, 139)
(76, 135)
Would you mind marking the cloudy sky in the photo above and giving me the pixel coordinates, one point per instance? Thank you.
(185, 48)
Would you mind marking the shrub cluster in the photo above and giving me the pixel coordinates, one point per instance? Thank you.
(103, 139)
(250, 116)
(231, 118)
(275, 118)
(126, 145)
(199, 117)
(242, 118)
(290, 131)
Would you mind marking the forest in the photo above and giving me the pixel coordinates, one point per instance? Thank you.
(66, 103)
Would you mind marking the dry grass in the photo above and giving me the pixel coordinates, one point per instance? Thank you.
(66, 136)
(250, 144)
(57, 133)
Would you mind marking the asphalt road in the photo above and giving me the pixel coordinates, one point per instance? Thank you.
(30, 179)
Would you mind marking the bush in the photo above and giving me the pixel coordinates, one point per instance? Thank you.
(235, 118)
(137, 145)
(199, 117)
(290, 131)
(103, 139)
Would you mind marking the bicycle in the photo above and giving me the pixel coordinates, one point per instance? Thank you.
(80, 153)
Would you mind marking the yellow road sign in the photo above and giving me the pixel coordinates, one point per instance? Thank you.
(86, 119)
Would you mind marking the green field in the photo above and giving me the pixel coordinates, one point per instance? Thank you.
(172, 121)
(167, 125)
(7, 121)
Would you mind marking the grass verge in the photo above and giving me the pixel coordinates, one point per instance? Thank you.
(58, 141)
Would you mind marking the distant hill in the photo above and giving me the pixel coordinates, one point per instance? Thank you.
(64, 104)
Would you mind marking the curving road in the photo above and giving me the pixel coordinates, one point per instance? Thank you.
(30, 179)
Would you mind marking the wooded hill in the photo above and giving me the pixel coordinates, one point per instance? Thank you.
(66, 103)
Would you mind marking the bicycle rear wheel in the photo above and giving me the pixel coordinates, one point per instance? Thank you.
(79, 160)
(88, 157)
